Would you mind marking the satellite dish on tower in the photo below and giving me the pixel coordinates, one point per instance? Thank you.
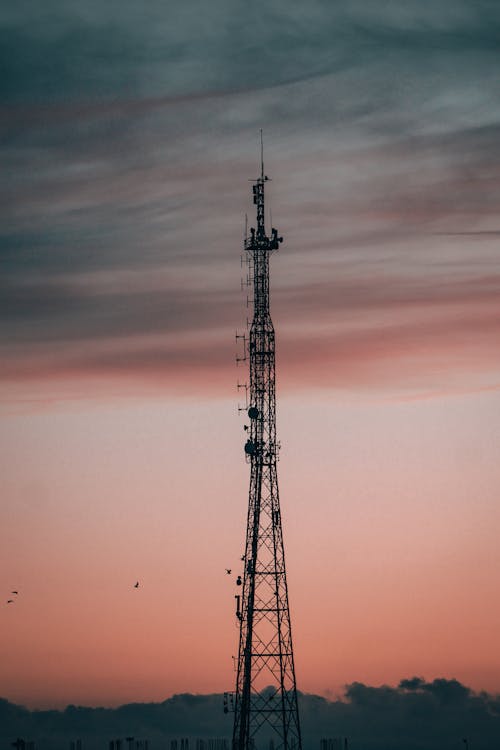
(250, 447)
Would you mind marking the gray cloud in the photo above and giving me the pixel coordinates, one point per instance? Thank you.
(60, 50)
(127, 138)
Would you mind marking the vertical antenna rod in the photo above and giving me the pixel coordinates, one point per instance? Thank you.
(261, 155)
(266, 694)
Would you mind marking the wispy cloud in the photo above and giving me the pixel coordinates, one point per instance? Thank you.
(125, 180)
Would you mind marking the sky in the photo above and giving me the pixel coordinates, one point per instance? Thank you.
(128, 137)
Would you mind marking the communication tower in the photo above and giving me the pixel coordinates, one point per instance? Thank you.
(265, 701)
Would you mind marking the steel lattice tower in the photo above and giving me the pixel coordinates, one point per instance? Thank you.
(265, 702)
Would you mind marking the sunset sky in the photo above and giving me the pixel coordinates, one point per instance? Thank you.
(129, 132)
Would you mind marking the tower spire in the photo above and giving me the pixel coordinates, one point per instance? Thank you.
(261, 155)
(265, 703)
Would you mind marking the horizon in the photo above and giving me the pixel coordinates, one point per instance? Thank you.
(339, 697)
(437, 715)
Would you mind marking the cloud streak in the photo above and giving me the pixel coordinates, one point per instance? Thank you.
(125, 184)
(109, 50)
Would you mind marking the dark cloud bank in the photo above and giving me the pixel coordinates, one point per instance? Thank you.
(415, 715)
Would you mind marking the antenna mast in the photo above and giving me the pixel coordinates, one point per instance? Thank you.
(265, 702)
(261, 155)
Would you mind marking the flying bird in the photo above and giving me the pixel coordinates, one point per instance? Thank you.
(228, 571)
(14, 592)
(10, 601)
(136, 585)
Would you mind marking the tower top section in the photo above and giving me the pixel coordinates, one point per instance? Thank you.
(258, 240)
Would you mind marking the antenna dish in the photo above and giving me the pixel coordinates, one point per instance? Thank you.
(250, 449)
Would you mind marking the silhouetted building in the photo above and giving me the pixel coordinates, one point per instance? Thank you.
(333, 743)
(219, 743)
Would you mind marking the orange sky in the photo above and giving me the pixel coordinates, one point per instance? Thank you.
(390, 517)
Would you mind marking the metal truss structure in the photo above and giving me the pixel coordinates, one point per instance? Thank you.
(265, 701)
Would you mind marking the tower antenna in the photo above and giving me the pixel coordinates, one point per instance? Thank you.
(265, 704)
(261, 155)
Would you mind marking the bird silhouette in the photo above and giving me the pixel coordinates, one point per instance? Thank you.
(136, 585)
(228, 571)
(10, 601)
(14, 592)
